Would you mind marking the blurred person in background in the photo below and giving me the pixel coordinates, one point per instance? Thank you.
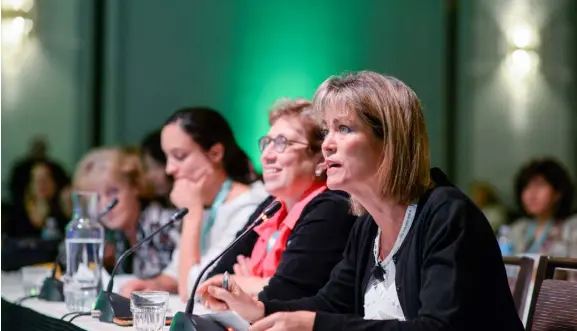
(43, 209)
(154, 162)
(22, 169)
(118, 173)
(544, 193)
(485, 197)
(313, 225)
(213, 178)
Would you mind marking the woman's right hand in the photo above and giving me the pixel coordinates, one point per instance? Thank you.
(217, 298)
(134, 285)
(187, 192)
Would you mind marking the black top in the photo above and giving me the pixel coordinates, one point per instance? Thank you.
(449, 273)
(16, 222)
(19, 225)
(315, 246)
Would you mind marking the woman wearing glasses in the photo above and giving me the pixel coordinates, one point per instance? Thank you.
(292, 254)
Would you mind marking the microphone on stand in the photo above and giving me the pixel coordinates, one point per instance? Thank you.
(113, 305)
(105, 212)
(186, 321)
(52, 288)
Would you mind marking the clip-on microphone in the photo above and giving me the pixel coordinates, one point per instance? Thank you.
(52, 288)
(186, 321)
(113, 305)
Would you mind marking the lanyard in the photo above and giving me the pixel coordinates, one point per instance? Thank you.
(537, 244)
(272, 241)
(407, 222)
(218, 201)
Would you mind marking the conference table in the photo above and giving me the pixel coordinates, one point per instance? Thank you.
(34, 314)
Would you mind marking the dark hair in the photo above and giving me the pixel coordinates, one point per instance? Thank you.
(61, 181)
(556, 175)
(207, 127)
(151, 145)
(61, 178)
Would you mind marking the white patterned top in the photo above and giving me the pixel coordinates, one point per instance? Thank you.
(381, 299)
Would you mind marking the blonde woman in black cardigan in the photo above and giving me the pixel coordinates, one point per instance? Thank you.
(421, 256)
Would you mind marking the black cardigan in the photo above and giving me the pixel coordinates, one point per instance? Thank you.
(315, 246)
(449, 273)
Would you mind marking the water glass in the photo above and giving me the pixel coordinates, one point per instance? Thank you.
(149, 310)
(33, 278)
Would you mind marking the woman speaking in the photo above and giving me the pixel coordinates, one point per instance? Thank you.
(421, 256)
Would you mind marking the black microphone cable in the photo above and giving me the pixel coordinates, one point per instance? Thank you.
(24, 298)
(78, 315)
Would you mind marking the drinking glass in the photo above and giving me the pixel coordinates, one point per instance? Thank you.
(149, 310)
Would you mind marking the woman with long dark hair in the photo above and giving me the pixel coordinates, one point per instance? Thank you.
(213, 178)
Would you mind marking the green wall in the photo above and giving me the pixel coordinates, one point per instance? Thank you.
(241, 56)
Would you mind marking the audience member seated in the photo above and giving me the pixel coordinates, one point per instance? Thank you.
(22, 169)
(44, 208)
(118, 173)
(545, 195)
(485, 197)
(213, 179)
(154, 162)
(422, 256)
(313, 225)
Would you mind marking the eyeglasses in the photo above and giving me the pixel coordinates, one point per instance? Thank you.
(280, 143)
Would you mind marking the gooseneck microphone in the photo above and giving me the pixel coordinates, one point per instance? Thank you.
(175, 217)
(107, 210)
(113, 305)
(53, 289)
(186, 321)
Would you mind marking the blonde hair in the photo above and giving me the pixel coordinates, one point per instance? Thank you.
(123, 163)
(393, 112)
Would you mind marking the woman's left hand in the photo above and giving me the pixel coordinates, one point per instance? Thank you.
(242, 267)
(285, 321)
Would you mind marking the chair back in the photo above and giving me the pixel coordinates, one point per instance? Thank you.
(520, 284)
(554, 302)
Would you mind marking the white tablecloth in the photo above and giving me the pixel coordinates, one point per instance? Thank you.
(12, 290)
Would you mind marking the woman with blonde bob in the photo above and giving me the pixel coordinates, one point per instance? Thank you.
(118, 173)
(421, 256)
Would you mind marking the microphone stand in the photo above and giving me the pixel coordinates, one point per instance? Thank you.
(52, 288)
(112, 305)
(187, 321)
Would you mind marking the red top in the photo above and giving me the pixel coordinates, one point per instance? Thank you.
(273, 234)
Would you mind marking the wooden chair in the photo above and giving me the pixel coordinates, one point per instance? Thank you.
(520, 287)
(554, 302)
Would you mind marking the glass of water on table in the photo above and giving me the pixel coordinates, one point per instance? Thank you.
(149, 310)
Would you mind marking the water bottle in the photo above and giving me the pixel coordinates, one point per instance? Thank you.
(84, 252)
(50, 230)
(505, 244)
(507, 249)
